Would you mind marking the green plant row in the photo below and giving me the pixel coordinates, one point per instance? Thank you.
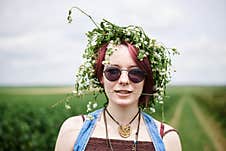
(28, 122)
(213, 100)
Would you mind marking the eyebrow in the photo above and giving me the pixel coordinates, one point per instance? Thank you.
(131, 66)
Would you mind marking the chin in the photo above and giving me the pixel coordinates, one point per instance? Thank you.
(125, 102)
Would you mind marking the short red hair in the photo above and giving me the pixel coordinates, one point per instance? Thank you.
(144, 65)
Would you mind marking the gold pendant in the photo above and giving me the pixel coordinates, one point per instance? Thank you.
(124, 131)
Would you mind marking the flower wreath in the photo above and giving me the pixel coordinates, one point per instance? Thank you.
(107, 32)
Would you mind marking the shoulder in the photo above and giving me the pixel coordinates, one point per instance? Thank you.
(68, 133)
(72, 124)
(171, 137)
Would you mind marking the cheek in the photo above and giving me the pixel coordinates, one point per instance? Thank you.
(107, 85)
(108, 88)
(140, 87)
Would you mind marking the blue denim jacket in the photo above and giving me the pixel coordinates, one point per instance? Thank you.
(90, 122)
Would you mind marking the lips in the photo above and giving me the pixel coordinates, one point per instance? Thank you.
(123, 91)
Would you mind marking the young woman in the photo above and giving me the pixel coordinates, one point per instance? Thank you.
(131, 70)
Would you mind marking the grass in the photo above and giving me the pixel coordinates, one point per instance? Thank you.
(192, 134)
(29, 120)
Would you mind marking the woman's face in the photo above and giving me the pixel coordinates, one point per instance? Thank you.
(123, 91)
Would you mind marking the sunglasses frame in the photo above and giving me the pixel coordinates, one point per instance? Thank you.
(128, 73)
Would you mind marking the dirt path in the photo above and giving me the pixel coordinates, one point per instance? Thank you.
(211, 128)
(176, 116)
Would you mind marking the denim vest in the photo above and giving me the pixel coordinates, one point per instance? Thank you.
(90, 123)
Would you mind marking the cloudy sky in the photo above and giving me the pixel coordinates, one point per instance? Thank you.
(39, 47)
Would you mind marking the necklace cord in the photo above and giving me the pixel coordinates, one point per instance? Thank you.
(134, 147)
(117, 121)
(106, 131)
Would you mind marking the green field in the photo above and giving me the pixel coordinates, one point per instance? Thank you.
(31, 116)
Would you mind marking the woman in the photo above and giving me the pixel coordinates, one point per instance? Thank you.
(123, 63)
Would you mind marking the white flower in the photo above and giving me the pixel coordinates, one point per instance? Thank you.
(152, 109)
(161, 102)
(88, 108)
(67, 106)
(105, 62)
(128, 33)
(145, 42)
(74, 92)
(90, 117)
(94, 105)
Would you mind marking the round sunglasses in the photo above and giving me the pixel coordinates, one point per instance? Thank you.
(135, 75)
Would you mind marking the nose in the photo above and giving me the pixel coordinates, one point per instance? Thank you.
(124, 79)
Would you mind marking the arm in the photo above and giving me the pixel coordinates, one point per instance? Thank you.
(172, 140)
(68, 134)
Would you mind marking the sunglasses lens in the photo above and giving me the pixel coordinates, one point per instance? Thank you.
(112, 73)
(136, 75)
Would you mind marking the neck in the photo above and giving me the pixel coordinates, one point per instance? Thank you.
(121, 113)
